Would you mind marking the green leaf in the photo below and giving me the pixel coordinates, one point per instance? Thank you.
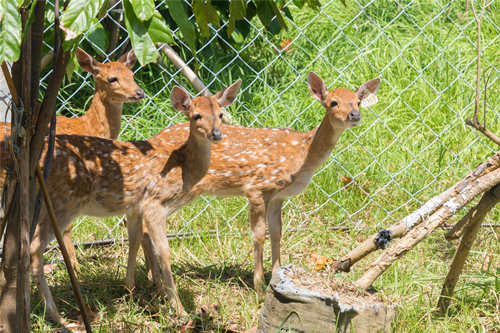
(158, 30)
(178, 14)
(10, 31)
(98, 37)
(78, 17)
(31, 15)
(237, 11)
(143, 9)
(299, 3)
(205, 13)
(72, 64)
(278, 17)
(49, 16)
(2, 9)
(142, 43)
(265, 12)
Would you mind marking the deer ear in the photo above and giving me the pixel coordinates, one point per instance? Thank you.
(128, 59)
(367, 92)
(181, 101)
(87, 62)
(317, 87)
(227, 96)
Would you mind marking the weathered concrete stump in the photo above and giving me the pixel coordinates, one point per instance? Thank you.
(301, 301)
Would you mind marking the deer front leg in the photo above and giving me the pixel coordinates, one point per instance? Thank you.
(274, 220)
(40, 241)
(258, 226)
(135, 231)
(68, 242)
(155, 226)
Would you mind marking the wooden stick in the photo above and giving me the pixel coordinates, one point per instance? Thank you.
(53, 220)
(456, 230)
(191, 76)
(418, 233)
(402, 227)
(487, 202)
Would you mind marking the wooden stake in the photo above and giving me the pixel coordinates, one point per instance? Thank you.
(53, 220)
(487, 202)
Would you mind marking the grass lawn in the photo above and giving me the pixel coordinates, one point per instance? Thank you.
(410, 146)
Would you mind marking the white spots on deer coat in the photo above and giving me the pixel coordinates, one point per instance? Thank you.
(294, 142)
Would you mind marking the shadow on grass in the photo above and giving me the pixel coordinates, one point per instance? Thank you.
(236, 274)
(103, 290)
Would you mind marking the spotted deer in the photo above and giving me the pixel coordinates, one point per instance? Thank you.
(145, 180)
(269, 165)
(114, 85)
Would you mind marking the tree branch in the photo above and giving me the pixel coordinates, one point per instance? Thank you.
(412, 238)
(401, 228)
(475, 122)
(487, 202)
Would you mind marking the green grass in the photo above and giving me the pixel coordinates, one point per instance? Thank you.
(394, 157)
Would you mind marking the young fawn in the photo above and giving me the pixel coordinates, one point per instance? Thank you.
(145, 180)
(269, 165)
(114, 85)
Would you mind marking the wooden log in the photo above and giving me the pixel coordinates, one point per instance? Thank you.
(401, 228)
(295, 303)
(412, 238)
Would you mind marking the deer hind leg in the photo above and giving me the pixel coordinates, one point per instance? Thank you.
(258, 225)
(154, 225)
(135, 231)
(274, 221)
(43, 235)
(68, 242)
(152, 267)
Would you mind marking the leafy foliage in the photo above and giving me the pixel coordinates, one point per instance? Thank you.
(149, 23)
(10, 30)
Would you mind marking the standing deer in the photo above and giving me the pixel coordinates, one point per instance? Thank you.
(145, 180)
(114, 85)
(269, 165)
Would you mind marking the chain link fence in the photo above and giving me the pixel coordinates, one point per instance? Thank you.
(410, 146)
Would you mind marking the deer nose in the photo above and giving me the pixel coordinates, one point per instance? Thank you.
(216, 135)
(354, 115)
(139, 93)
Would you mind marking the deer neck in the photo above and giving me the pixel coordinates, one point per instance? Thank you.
(196, 160)
(324, 139)
(104, 116)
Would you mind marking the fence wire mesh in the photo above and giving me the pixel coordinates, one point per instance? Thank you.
(410, 146)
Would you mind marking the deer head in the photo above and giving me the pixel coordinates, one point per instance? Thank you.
(342, 105)
(205, 112)
(113, 79)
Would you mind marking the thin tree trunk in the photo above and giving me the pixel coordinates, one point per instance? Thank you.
(487, 202)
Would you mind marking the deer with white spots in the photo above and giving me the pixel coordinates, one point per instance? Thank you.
(114, 85)
(269, 165)
(145, 180)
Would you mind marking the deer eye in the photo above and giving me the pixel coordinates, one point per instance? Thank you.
(221, 116)
(333, 103)
(197, 116)
(112, 79)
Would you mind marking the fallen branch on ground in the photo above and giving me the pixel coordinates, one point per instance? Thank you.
(413, 237)
(401, 228)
